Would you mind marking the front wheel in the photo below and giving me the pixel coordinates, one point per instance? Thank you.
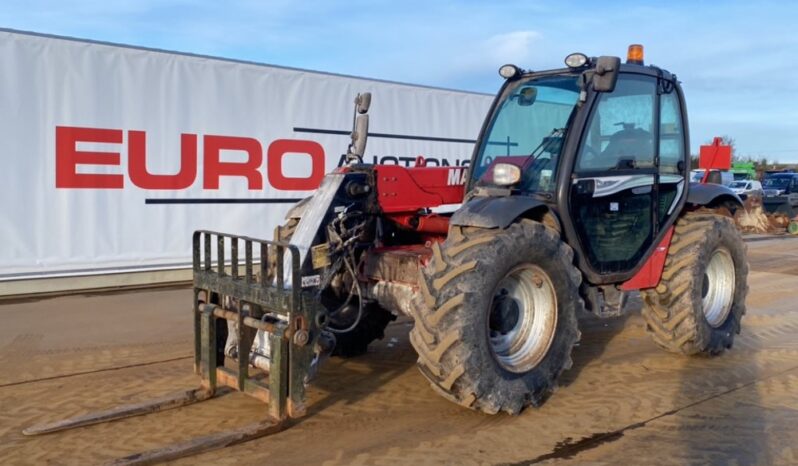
(498, 319)
(700, 300)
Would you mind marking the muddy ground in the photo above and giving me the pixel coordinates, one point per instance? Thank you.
(624, 401)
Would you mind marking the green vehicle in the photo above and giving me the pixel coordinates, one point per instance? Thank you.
(744, 171)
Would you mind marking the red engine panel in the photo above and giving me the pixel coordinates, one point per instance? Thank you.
(407, 190)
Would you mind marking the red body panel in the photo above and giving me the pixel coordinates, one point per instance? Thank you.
(407, 190)
(648, 276)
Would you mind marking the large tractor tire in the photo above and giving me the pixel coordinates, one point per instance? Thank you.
(700, 300)
(372, 324)
(498, 319)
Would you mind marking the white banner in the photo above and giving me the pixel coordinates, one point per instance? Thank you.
(112, 156)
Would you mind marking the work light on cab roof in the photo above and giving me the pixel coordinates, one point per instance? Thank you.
(576, 60)
(509, 71)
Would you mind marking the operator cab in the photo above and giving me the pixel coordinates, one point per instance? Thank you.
(603, 144)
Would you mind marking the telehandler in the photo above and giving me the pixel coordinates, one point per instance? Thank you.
(577, 194)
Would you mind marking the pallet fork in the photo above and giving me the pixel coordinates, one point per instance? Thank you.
(287, 316)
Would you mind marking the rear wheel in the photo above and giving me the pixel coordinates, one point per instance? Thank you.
(700, 300)
(498, 319)
(371, 326)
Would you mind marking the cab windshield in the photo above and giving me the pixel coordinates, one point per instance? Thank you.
(528, 130)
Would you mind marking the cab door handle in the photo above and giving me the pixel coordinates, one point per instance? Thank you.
(585, 187)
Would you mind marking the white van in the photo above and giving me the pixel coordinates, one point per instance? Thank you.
(726, 177)
(747, 187)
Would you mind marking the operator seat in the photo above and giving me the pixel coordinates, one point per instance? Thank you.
(633, 144)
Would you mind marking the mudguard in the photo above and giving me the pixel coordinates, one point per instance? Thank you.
(493, 212)
(705, 194)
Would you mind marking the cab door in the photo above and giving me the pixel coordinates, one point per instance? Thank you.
(671, 158)
(621, 192)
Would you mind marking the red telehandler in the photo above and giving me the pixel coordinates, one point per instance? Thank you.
(577, 194)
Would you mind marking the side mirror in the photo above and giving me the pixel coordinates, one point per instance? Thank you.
(363, 102)
(527, 96)
(605, 75)
(360, 129)
(359, 135)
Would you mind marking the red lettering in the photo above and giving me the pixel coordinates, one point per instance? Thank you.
(274, 164)
(137, 163)
(214, 168)
(67, 158)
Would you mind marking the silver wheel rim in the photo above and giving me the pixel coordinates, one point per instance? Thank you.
(522, 318)
(717, 291)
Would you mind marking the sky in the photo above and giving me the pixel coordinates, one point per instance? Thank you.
(734, 58)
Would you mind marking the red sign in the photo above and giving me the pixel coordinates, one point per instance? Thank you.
(716, 156)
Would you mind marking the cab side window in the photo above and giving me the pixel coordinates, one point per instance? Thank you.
(671, 134)
(620, 132)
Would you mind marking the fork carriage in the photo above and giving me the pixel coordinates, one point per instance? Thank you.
(285, 313)
(288, 317)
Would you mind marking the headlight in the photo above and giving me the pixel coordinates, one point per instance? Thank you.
(506, 174)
